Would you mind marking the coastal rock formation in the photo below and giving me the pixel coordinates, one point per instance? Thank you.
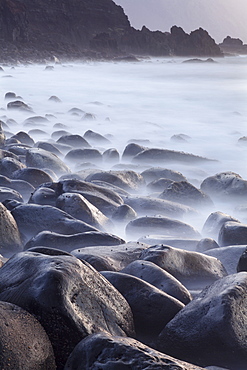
(95, 28)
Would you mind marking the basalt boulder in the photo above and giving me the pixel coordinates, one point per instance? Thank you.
(32, 219)
(156, 173)
(186, 193)
(160, 225)
(161, 279)
(130, 181)
(229, 256)
(232, 233)
(152, 308)
(194, 270)
(100, 350)
(111, 258)
(79, 207)
(42, 159)
(71, 242)
(69, 298)
(24, 343)
(214, 222)
(225, 185)
(211, 329)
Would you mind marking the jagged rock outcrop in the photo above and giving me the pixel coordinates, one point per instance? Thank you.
(232, 45)
(32, 29)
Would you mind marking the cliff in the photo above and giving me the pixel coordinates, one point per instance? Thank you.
(33, 29)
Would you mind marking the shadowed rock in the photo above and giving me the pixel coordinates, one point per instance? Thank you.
(100, 350)
(211, 329)
(95, 138)
(232, 233)
(76, 141)
(152, 308)
(24, 343)
(33, 176)
(69, 298)
(161, 279)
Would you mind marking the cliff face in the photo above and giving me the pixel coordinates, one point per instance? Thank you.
(87, 27)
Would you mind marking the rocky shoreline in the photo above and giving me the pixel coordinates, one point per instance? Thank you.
(103, 267)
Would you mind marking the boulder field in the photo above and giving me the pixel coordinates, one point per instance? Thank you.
(110, 261)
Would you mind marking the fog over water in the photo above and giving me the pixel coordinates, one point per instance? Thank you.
(149, 100)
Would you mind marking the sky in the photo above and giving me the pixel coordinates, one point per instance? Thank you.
(219, 17)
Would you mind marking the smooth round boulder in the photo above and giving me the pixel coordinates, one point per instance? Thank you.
(9, 165)
(112, 258)
(160, 225)
(99, 351)
(214, 222)
(24, 138)
(24, 343)
(83, 155)
(131, 150)
(79, 207)
(69, 298)
(8, 193)
(224, 185)
(232, 233)
(152, 308)
(211, 329)
(206, 244)
(49, 147)
(33, 218)
(33, 176)
(161, 279)
(194, 270)
(111, 156)
(96, 138)
(186, 193)
(124, 213)
(150, 206)
(71, 242)
(42, 159)
(157, 173)
(130, 181)
(76, 141)
(159, 185)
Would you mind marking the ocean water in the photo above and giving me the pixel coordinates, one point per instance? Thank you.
(149, 101)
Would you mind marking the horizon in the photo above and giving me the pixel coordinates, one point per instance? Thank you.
(221, 18)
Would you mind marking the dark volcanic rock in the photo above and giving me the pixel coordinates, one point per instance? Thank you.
(69, 298)
(194, 270)
(102, 350)
(232, 233)
(24, 343)
(225, 185)
(71, 242)
(112, 258)
(43, 159)
(32, 219)
(214, 222)
(211, 329)
(89, 27)
(186, 193)
(152, 308)
(154, 155)
(161, 279)
(160, 225)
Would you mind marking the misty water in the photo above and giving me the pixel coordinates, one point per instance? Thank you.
(149, 101)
